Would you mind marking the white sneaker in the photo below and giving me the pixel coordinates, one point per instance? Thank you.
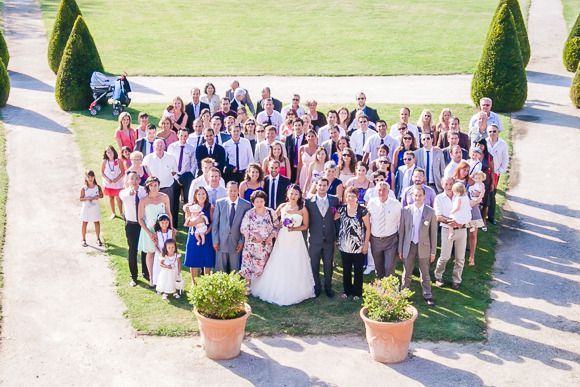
(368, 270)
(164, 297)
(112, 216)
(132, 283)
(175, 295)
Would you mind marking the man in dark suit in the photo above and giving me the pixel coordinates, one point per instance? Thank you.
(293, 142)
(275, 185)
(371, 113)
(145, 144)
(322, 234)
(210, 149)
(453, 139)
(418, 241)
(266, 93)
(194, 108)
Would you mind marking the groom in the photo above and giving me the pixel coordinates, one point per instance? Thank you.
(321, 234)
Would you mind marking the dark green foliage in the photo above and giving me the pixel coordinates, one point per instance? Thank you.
(220, 295)
(575, 88)
(4, 84)
(514, 7)
(79, 60)
(500, 73)
(4, 54)
(572, 47)
(66, 16)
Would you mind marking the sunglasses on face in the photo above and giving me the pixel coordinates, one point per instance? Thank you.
(251, 123)
(383, 162)
(346, 155)
(407, 138)
(492, 131)
(260, 131)
(379, 180)
(361, 98)
(426, 138)
(408, 158)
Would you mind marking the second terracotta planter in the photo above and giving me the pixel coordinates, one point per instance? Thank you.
(222, 339)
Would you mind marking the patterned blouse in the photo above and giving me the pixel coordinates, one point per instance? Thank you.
(351, 236)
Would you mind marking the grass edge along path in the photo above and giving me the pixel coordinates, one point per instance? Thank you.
(459, 315)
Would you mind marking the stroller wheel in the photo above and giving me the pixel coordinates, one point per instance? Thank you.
(93, 112)
(116, 112)
(98, 107)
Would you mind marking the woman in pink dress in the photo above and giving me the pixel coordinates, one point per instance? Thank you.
(125, 135)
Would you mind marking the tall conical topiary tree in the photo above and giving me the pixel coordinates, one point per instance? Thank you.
(500, 73)
(572, 47)
(522, 32)
(575, 89)
(4, 84)
(66, 16)
(79, 60)
(4, 54)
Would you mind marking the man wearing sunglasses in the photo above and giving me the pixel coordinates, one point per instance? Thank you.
(361, 100)
(404, 174)
(499, 150)
(431, 159)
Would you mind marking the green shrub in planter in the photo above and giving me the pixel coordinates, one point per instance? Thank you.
(575, 88)
(4, 85)
(385, 301)
(572, 47)
(67, 14)
(521, 31)
(79, 60)
(4, 54)
(500, 73)
(219, 296)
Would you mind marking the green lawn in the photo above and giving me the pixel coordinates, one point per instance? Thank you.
(460, 315)
(350, 37)
(571, 10)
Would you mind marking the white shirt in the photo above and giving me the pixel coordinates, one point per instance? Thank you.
(492, 118)
(324, 133)
(162, 168)
(188, 163)
(129, 203)
(300, 111)
(358, 140)
(276, 119)
(201, 182)
(195, 139)
(474, 166)
(385, 217)
(245, 154)
(417, 214)
(214, 194)
(499, 151)
(443, 206)
(410, 127)
(407, 174)
(263, 150)
(374, 142)
(450, 168)
(141, 133)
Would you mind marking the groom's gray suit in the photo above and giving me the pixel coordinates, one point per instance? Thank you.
(225, 236)
(321, 238)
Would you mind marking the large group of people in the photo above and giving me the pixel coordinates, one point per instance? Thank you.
(251, 181)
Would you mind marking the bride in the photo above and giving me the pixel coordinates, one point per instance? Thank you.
(287, 278)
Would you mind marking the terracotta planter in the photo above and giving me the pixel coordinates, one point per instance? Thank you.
(222, 339)
(389, 341)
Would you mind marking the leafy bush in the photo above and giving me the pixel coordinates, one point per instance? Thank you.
(67, 14)
(500, 73)
(572, 47)
(385, 302)
(522, 33)
(4, 84)
(575, 88)
(4, 54)
(79, 60)
(219, 296)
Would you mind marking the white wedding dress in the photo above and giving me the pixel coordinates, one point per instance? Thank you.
(287, 278)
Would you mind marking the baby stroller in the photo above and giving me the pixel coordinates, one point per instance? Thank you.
(103, 90)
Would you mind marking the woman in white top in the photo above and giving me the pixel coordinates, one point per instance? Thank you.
(211, 98)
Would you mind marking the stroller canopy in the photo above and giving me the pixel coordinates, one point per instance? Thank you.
(99, 80)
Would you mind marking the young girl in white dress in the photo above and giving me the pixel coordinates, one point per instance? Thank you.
(170, 267)
(91, 192)
(461, 210)
(113, 170)
(163, 233)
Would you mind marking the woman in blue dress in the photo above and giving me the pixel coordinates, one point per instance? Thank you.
(254, 181)
(202, 256)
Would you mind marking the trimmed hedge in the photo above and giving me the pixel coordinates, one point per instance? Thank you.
(67, 14)
(575, 89)
(4, 54)
(514, 7)
(500, 73)
(4, 84)
(79, 60)
(572, 47)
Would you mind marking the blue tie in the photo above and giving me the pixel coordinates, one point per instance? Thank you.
(237, 156)
(428, 165)
(232, 214)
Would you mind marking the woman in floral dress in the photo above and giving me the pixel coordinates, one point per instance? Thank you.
(259, 227)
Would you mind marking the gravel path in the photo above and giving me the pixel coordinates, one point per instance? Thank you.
(68, 329)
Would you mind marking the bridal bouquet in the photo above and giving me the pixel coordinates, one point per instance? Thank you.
(288, 222)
